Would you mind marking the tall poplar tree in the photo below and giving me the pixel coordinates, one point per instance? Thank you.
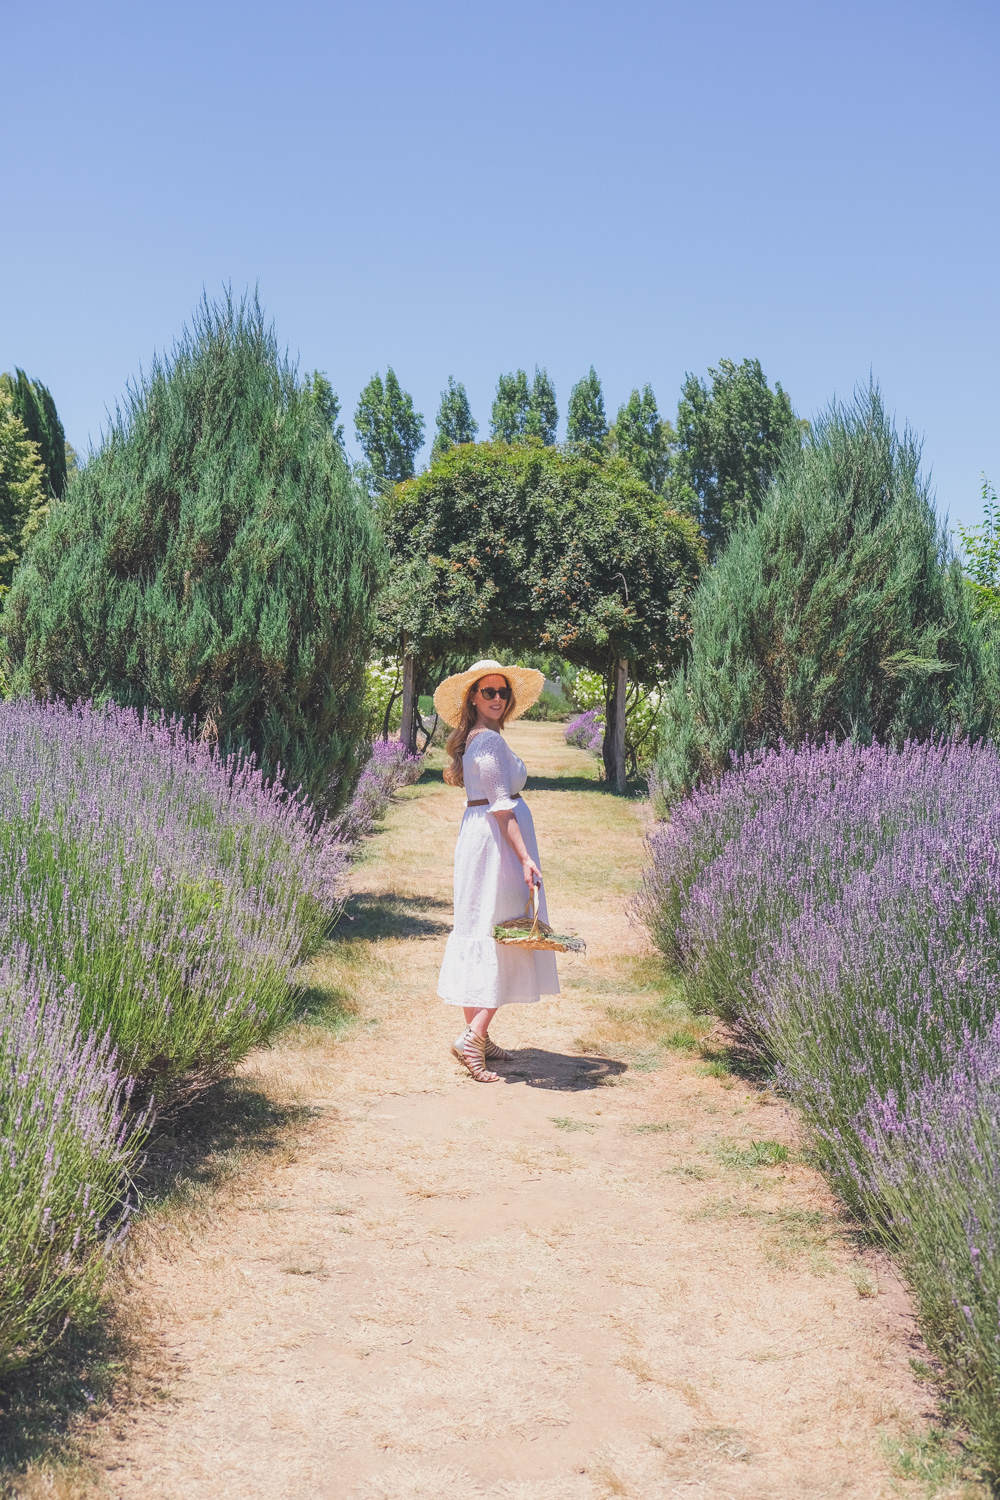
(455, 424)
(522, 411)
(510, 407)
(389, 430)
(730, 441)
(585, 418)
(327, 403)
(543, 416)
(642, 437)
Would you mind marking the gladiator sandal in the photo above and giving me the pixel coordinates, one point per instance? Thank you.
(494, 1053)
(470, 1050)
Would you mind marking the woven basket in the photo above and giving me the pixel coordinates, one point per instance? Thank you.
(531, 932)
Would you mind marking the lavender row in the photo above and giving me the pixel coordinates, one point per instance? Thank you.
(843, 905)
(176, 891)
(390, 765)
(68, 1140)
(156, 902)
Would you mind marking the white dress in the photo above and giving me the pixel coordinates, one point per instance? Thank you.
(489, 888)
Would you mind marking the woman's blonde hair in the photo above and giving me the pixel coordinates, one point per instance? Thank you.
(456, 741)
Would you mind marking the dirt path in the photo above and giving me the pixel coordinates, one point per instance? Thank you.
(569, 1285)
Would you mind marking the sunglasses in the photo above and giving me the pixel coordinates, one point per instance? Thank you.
(490, 693)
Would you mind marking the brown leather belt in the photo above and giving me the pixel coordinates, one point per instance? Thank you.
(485, 801)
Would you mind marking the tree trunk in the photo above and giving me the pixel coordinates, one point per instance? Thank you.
(614, 729)
(408, 728)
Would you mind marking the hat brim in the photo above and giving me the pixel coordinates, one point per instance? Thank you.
(526, 683)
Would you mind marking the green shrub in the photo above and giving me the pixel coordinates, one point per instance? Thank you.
(550, 708)
(215, 560)
(839, 611)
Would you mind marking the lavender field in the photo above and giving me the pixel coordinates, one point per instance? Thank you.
(157, 902)
(841, 905)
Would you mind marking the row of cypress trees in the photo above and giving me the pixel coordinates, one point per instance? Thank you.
(217, 559)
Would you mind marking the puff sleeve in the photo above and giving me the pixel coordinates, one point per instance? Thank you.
(490, 755)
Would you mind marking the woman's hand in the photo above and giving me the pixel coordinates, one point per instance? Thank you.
(511, 832)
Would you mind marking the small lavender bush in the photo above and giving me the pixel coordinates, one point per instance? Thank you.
(843, 905)
(390, 765)
(177, 892)
(67, 1139)
(586, 731)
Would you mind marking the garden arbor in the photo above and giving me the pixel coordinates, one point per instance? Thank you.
(531, 548)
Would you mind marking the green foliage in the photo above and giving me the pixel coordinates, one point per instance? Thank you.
(840, 610)
(23, 503)
(520, 411)
(455, 423)
(327, 403)
(388, 429)
(530, 548)
(34, 405)
(214, 559)
(982, 552)
(730, 441)
(510, 407)
(642, 438)
(384, 698)
(585, 418)
(543, 416)
(642, 714)
(550, 708)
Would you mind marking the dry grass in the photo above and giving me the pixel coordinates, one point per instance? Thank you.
(591, 1279)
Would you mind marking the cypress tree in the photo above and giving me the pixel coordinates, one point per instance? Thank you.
(33, 404)
(839, 610)
(585, 418)
(455, 424)
(215, 560)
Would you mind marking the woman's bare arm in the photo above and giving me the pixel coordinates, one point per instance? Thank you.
(511, 832)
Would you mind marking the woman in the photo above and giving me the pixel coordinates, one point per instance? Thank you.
(496, 858)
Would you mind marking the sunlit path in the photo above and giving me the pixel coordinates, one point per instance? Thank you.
(580, 1282)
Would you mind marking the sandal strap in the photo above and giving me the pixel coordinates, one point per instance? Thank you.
(496, 1053)
(473, 1052)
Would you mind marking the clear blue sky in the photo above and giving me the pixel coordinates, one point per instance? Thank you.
(467, 188)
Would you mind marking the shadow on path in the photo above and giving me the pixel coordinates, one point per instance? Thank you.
(560, 1071)
(369, 917)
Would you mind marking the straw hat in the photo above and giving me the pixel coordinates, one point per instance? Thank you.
(450, 696)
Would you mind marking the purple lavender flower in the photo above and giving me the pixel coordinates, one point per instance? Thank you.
(388, 767)
(586, 731)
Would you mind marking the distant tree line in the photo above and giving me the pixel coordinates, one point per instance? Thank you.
(714, 463)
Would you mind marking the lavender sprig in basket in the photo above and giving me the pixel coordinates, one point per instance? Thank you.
(531, 932)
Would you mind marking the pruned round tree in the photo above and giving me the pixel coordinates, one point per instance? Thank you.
(527, 547)
(214, 559)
